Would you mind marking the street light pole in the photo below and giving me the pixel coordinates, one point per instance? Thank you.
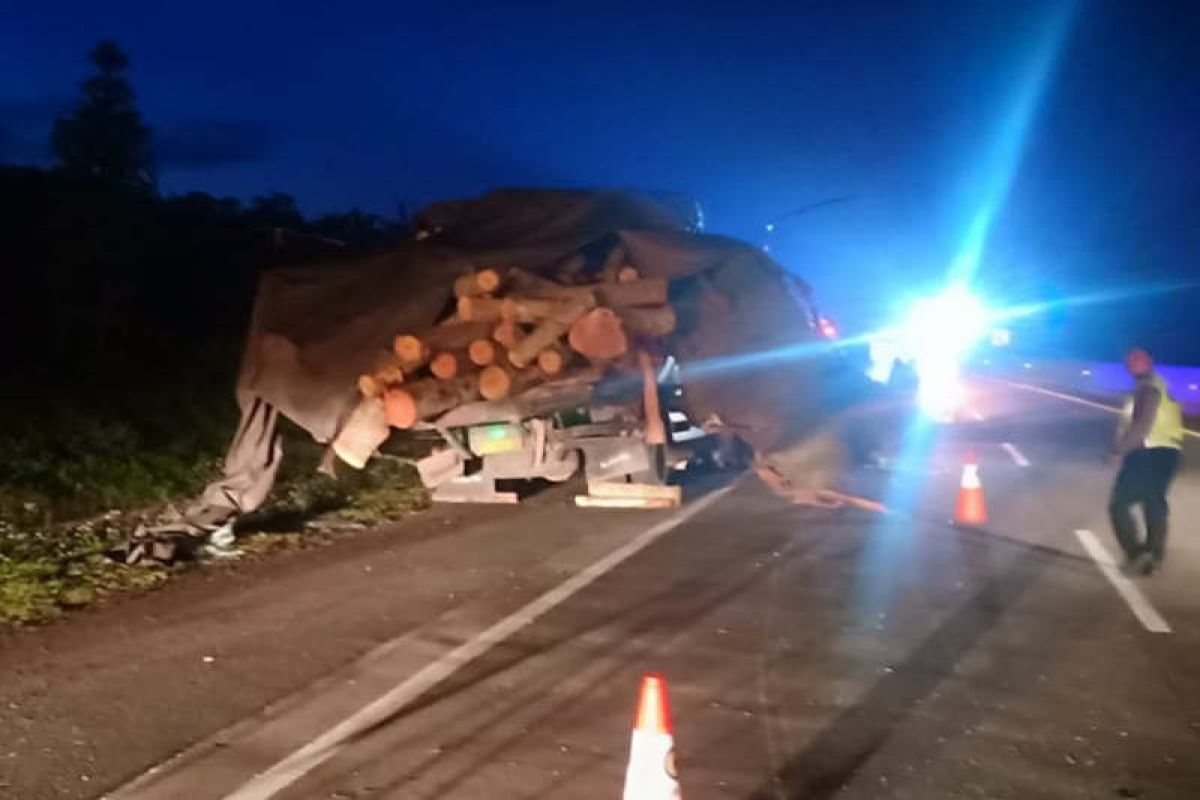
(772, 223)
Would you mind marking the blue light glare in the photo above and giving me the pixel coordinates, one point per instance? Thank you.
(1004, 156)
(937, 335)
(890, 540)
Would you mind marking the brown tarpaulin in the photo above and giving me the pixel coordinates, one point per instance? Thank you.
(315, 328)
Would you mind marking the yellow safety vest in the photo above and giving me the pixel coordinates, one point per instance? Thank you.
(1167, 430)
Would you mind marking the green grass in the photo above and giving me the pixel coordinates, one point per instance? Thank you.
(44, 570)
(73, 484)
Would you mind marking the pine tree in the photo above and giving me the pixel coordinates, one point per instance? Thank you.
(105, 138)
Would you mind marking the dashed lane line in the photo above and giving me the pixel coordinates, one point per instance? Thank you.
(1016, 454)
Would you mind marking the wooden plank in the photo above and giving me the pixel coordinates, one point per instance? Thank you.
(591, 501)
(635, 490)
(496, 498)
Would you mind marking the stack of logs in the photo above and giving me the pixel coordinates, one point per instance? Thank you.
(512, 330)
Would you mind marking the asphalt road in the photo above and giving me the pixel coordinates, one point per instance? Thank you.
(495, 653)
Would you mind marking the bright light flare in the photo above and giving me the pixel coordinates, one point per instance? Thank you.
(939, 333)
(945, 326)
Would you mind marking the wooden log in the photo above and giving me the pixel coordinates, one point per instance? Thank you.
(498, 382)
(591, 501)
(494, 382)
(648, 320)
(506, 333)
(365, 429)
(545, 334)
(628, 274)
(410, 349)
(388, 368)
(643, 292)
(414, 349)
(371, 386)
(656, 431)
(480, 308)
(552, 360)
(485, 281)
(448, 364)
(569, 390)
(599, 334)
(409, 403)
(527, 284)
(485, 352)
(613, 489)
(536, 309)
(456, 336)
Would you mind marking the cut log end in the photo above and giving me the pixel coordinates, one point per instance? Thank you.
(495, 382)
(400, 409)
(498, 382)
(628, 274)
(409, 349)
(599, 334)
(551, 361)
(488, 280)
(446, 365)
(485, 281)
(370, 386)
(483, 352)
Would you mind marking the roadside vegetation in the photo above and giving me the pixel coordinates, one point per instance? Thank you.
(74, 486)
(122, 316)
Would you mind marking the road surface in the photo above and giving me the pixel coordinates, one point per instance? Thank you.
(496, 653)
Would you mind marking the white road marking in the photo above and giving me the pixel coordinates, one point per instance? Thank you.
(1016, 454)
(1073, 399)
(1060, 396)
(328, 744)
(1142, 609)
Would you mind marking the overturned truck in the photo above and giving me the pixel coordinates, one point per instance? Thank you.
(534, 331)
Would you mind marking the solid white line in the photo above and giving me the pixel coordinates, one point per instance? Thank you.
(328, 744)
(1078, 400)
(1016, 454)
(1059, 395)
(1142, 609)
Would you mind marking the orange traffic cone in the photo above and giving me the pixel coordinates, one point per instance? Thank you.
(971, 510)
(651, 772)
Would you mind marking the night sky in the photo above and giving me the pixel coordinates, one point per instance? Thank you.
(911, 110)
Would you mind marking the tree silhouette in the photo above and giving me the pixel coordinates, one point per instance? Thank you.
(105, 138)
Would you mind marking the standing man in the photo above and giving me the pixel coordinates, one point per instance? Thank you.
(1149, 440)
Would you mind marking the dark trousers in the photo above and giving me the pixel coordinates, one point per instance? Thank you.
(1144, 478)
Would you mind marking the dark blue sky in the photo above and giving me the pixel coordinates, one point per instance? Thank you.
(753, 108)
